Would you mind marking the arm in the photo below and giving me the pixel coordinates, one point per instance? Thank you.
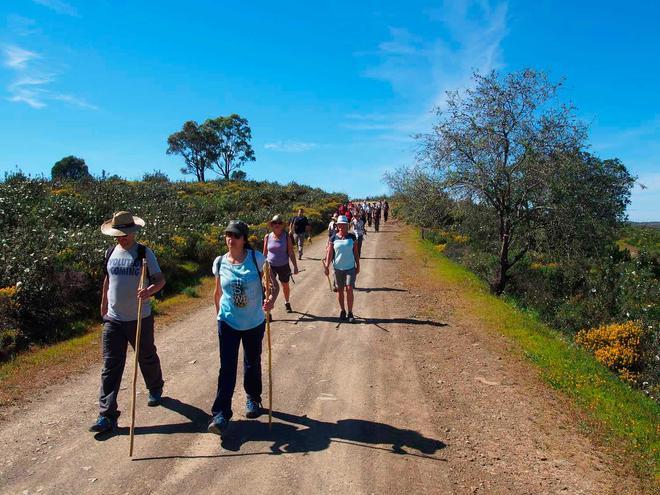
(217, 294)
(265, 251)
(104, 297)
(274, 291)
(292, 254)
(157, 282)
(357, 258)
(329, 251)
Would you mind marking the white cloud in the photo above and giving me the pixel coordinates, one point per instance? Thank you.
(74, 100)
(59, 6)
(22, 26)
(470, 34)
(290, 146)
(17, 57)
(32, 80)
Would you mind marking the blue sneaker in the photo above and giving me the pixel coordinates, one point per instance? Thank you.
(218, 424)
(103, 424)
(252, 408)
(154, 398)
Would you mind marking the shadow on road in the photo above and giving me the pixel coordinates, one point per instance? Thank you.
(308, 318)
(288, 437)
(199, 420)
(367, 258)
(379, 289)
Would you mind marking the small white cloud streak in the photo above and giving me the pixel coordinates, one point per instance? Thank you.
(290, 146)
(423, 70)
(75, 101)
(17, 57)
(30, 85)
(59, 6)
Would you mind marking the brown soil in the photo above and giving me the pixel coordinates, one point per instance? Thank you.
(416, 397)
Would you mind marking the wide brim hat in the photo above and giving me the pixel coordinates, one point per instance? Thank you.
(122, 223)
(342, 219)
(276, 219)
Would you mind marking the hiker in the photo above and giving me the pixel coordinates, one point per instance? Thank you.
(386, 210)
(119, 305)
(298, 226)
(278, 250)
(368, 211)
(240, 305)
(359, 231)
(332, 226)
(342, 251)
(376, 215)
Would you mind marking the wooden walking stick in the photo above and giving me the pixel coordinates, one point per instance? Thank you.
(270, 367)
(143, 273)
(328, 277)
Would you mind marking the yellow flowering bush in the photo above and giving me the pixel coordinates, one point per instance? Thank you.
(8, 300)
(617, 345)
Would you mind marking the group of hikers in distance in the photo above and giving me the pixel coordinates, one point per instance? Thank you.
(240, 300)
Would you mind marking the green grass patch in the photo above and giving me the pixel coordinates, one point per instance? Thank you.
(50, 355)
(624, 416)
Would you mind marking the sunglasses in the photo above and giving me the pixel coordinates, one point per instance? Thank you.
(233, 235)
(278, 223)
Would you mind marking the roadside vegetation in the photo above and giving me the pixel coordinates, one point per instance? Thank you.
(51, 249)
(615, 411)
(504, 185)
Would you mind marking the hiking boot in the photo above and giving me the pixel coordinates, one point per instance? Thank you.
(154, 398)
(287, 306)
(218, 424)
(351, 318)
(103, 424)
(342, 315)
(252, 408)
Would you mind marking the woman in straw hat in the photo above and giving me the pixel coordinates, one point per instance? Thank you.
(119, 305)
(240, 305)
(278, 249)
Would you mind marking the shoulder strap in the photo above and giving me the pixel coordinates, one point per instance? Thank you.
(108, 253)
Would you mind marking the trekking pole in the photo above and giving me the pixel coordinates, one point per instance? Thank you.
(137, 355)
(270, 367)
(328, 277)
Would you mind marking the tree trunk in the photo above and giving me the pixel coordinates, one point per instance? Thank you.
(502, 269)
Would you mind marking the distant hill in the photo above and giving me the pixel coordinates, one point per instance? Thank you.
(654, 225)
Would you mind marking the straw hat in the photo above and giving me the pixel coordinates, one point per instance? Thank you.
(276, 219)
(122, 223)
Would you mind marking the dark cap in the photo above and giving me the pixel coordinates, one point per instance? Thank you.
(238, 227)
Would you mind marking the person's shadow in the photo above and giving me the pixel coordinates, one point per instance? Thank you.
(199, 420)
(289, 438)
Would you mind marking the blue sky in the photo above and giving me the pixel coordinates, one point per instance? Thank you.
(332, 92)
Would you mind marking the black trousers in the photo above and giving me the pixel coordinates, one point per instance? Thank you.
(230, 341)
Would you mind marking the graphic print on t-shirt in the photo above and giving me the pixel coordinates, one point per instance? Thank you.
(124, 267)
(238, 292)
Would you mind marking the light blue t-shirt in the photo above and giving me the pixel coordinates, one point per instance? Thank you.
(344, 257)
(242, 296)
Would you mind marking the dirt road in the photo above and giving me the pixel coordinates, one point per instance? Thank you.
(394, 403)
